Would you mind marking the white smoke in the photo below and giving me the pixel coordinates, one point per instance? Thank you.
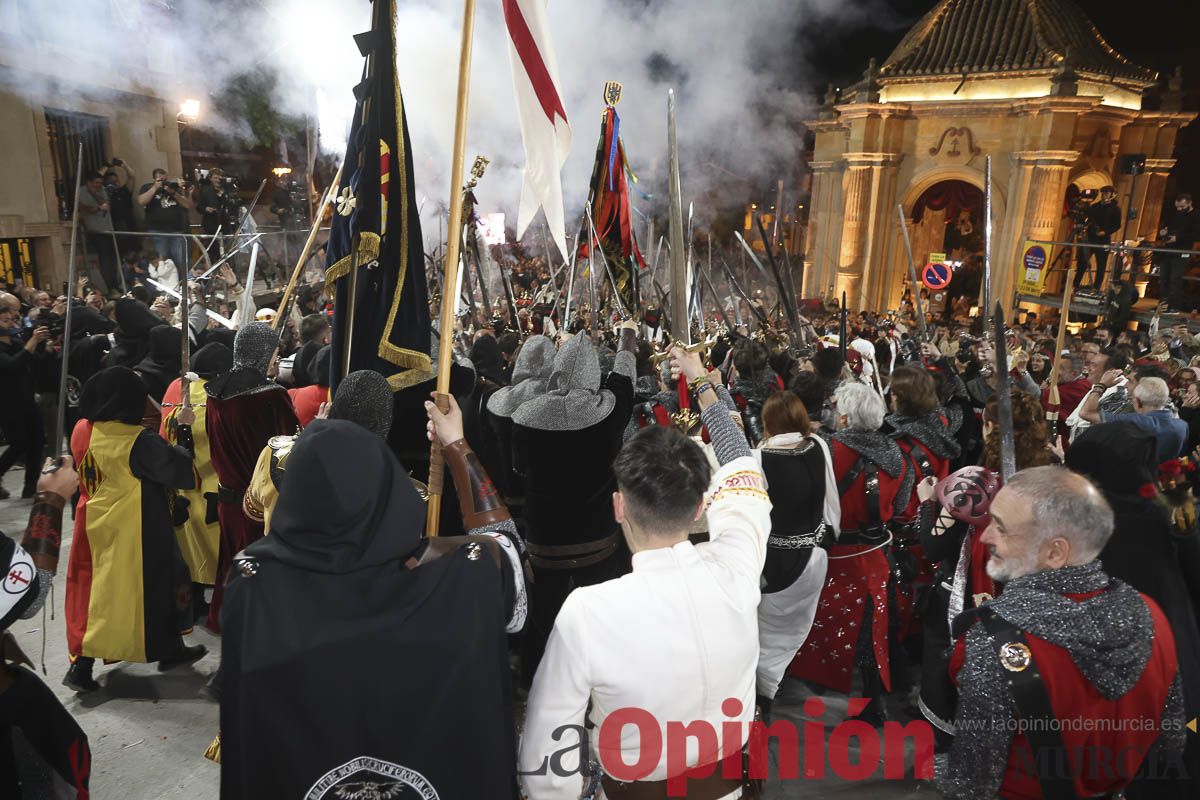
(741, 88)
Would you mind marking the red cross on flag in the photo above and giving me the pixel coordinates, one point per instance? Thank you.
(544, 127)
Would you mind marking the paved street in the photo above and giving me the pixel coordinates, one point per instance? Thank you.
(148, 730)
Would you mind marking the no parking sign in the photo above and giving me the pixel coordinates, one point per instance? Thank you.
(936, 276)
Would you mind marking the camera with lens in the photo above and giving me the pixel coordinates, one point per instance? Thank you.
(55, 323)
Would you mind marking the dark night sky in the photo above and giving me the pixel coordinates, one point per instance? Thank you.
(1159, 34)
(1154, 33)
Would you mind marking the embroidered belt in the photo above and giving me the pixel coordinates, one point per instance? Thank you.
(798, 542)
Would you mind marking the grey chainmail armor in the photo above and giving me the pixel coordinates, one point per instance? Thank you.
(364, 398)
(531, 375)
(1109, 637)
(574, 399)
(728, 441)
(254, 346)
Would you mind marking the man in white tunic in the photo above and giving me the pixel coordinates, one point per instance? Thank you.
(676, 640)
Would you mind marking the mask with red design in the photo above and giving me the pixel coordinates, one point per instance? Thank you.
(967, 494)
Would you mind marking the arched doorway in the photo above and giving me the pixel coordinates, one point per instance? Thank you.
(947, 217)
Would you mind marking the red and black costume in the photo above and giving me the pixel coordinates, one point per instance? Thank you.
(851, 625)
(244, 410)
(1072, 645)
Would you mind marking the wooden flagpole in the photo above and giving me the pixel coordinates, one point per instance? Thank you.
(453, 241)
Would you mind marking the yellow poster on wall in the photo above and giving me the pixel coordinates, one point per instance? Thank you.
(1035, 265)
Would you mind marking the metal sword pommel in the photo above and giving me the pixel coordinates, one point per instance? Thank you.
(702, 348)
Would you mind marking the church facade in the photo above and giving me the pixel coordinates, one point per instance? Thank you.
(1030, 83)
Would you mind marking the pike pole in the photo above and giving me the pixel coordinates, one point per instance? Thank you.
(60, 421)
(446, 325)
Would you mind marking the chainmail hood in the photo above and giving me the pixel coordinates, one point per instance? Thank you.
(254, 346)
(530, 376)
(935, 430)
(574, 399)
(364, 398)
(1109, 636)
(883, 450)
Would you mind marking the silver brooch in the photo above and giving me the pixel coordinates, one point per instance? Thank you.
(1015, 656)
(248, 566)
(474, 551)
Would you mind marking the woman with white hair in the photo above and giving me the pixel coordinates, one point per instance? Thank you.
(850, 629)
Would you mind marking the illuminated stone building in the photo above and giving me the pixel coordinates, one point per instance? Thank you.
(1031, 83)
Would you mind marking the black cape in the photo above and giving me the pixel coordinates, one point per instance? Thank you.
(341, 667)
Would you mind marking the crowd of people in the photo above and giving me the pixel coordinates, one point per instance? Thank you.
(629, 524)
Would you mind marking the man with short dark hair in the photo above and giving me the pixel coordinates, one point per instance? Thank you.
(1180, 233)
(1068, 667)
(166, 207)
(1072, 387)
(678, 637)
(1103, 220)
(314, 334)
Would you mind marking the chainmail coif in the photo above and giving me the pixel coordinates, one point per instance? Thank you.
(254, 346)
(364, 398)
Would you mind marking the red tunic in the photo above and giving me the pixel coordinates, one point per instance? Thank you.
(1070, 395)
(1118, 750)
(239, 428)
(857, 578)
(307, 402)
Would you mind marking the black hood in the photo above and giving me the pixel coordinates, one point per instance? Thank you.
(302, 375)
(113, 394)
(212, 360)
(345, 504)
(485, 355)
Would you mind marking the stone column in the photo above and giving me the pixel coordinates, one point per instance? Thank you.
(824, 227)
(1150, 211)
(851, 259)
(1035, 214)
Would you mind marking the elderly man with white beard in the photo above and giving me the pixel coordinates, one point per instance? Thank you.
(1069, 679)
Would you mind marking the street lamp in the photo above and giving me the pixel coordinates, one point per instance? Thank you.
(189, 111)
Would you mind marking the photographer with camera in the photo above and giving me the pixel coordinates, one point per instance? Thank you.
(218, 204)
(18, 409)
(1100, 221)
(166, 205)
(118, 182)
(290, 205)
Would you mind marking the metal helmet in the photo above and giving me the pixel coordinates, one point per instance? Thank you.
(968, 493)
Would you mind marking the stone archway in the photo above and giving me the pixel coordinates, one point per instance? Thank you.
(924, 239)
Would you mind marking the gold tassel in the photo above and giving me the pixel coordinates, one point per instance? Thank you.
(213, 753)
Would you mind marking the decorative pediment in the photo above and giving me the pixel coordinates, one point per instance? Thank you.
(955, 146)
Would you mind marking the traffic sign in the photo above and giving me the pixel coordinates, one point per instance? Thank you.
(936, 276)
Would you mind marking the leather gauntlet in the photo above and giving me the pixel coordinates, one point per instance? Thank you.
(44, 534)
(478, 497)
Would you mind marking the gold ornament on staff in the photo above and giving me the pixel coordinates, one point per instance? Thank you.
(477, 170)
(612, 93)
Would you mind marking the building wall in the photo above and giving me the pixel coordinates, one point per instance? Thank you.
(889, 153)
(40, 67)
